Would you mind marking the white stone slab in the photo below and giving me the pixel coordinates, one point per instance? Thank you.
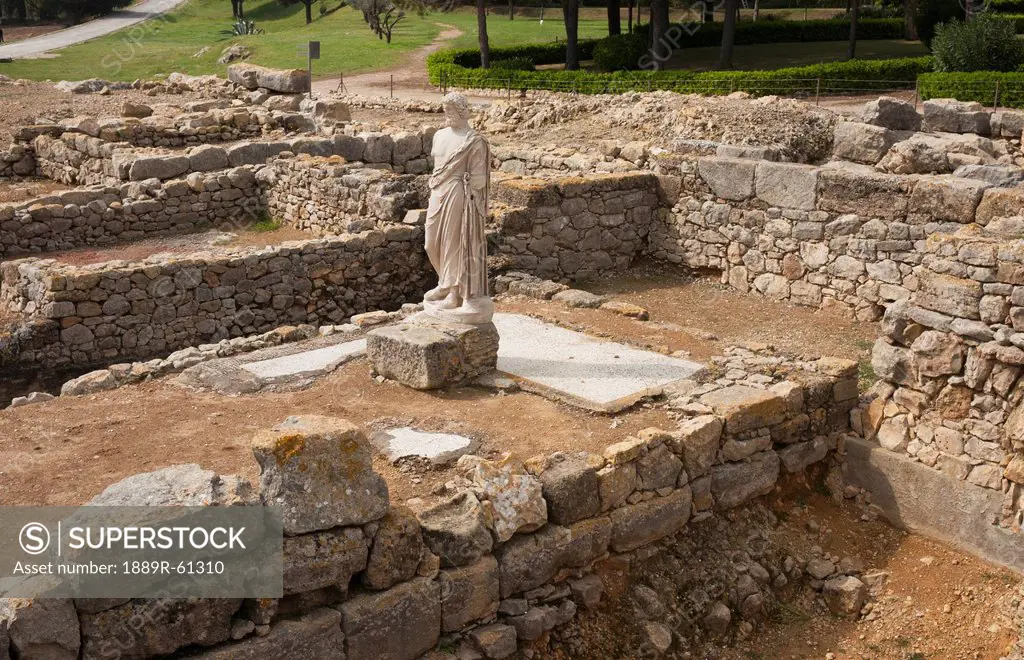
(307, 363)
(595, 374)
(439, 448)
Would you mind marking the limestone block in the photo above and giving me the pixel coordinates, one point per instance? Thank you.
(1003, 176)
(787, 185)
(796, 457)
(862, 143)
(697, 440)
(469, 593)
(45, 628)
(571, 488)
(528, 561)
(495, 641)
(283, 81)
(457, 530)
(729, 178)
(179, 485)
(952, 116)
(320, 471)
(401, 623)
(744, 408)
(892, 113)
(168, 625)
(208, 157)
(637, 525)
(513, 500)
(323, 559)
(949, 295)
(659, 468)
(158, 167)
(1007, 124)
(733, 484)
(845, 595)
(859, 189)
(431, 356)
(947, 199)
(616, 483)
(396, 551)
(313, 635)
(999, 203)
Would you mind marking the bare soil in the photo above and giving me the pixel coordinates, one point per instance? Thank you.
(936, 602)
(182, 244)
(702, 316)
(29, 189)
(19, 32)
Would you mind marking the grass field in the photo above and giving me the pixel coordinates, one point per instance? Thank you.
(173, 42)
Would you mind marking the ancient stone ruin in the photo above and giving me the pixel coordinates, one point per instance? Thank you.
(136, 273)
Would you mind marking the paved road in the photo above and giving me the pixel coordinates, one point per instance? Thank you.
(117, 20)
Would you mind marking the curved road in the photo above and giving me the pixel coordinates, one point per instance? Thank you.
(112, 22)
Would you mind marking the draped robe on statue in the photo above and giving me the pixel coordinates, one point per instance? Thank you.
(459, 188)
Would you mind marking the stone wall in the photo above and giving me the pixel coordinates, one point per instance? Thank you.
(574, 227)
(131, 211)
(841, 235)
(511, 552)
(17, 160)
(949, 363)
(80, 158)
(329, 197)
(122, 311)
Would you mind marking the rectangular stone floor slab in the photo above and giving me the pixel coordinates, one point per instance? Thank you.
(307, 363)
(592, 373)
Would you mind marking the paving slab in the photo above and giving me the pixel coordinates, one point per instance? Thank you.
(592, 373)
(438, 448)
(307, 363)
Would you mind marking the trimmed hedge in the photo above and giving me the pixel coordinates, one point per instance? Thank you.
(627, 51)
(1007, 6)
(856, 75)
(977, 86)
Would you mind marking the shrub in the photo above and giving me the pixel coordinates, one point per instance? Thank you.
(977, 86)
(513, 64)
(1007, 6)
(243, 27)
(987, 43)
(855, 75)
(933, 12)
(627, 51)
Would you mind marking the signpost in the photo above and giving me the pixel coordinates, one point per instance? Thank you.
(310, 51)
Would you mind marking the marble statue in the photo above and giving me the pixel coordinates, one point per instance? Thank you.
(456, 243)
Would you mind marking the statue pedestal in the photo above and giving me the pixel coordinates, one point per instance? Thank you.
(427, 354)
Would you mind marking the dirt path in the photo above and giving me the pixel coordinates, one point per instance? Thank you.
(410, 77)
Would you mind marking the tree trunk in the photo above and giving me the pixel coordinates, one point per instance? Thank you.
(614, 19)
(481, 31)
(629, 16)
(851, 50)
(728, 34)
(571, 15)
(909, 10)
(309, 11)
(511, 10)
(660, 50)
(757, 9)
(709, 12)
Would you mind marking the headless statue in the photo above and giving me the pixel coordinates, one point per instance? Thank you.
(456, 243)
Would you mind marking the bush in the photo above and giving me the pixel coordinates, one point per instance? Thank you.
(978, 86)
(855, 75)
(933, 12)
(513, 64)
(987, 43)
(628, 51)
(1007, 6)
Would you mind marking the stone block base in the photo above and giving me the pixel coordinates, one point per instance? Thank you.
(427, 354)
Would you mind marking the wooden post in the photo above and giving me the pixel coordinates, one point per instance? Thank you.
(817, 92)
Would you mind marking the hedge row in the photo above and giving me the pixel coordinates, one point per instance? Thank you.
(630, 51)
(853, 76)
(977, 86)
(1007, 6)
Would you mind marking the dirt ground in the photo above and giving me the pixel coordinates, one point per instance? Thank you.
(19, 32)
(936, 603)
(28, 189)
(178, 245)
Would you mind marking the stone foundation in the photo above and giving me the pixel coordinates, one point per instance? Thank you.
(425, 354)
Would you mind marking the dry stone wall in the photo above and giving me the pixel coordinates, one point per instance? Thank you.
(574, 227)
(513, 552)
(328, 197)
(950, 361)
(110, 215)
(117, 310)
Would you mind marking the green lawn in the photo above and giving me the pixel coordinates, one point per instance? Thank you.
(524, 29)
(777, 56)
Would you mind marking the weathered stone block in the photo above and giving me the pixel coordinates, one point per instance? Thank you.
(320, 471)
(313, 635)
(862, 143)
(469, 593)
(733, 484)
(528, 561)
(851, 188)
(571, 489)
(729, 178)
(796, 457)
(637, 525)
(44, 628)
(396, 551)
(323, 559)
(787, 185)
(744, 408)
(948, 198)
(431, 356)
(698, 440)
(892, 113)
(456, 530)
(401, 623)
(949, 295)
